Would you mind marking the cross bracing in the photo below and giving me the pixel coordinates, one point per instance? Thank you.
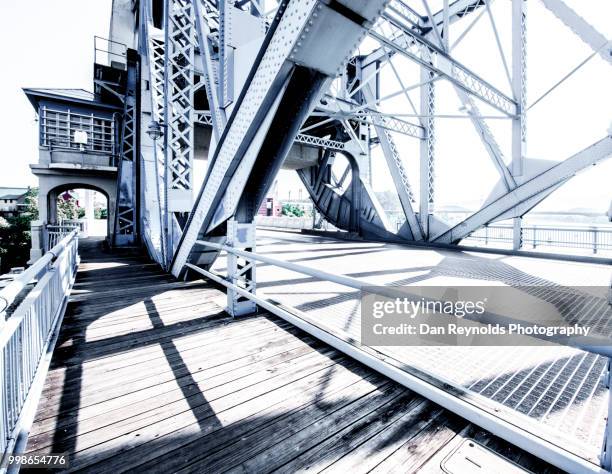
(358, 97)
(338, 92)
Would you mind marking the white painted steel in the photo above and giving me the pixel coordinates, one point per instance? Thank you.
(27, 335)
(464, 406)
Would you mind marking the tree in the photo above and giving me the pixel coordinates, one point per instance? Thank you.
(31, 204)
(68, 208)
(100, 213)
(15, 234)
(290, 210)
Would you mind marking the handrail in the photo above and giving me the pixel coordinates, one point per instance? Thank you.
(592, 344)
(394, 369)
(28, 336)
(592, 237)
(10, 292)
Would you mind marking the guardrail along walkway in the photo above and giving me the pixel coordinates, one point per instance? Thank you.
(150, 375)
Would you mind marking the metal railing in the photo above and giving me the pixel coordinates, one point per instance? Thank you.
(591, 238)
(55, 233)
(80, 224)
(28, 329)
(284, 222)
(395, 370)
(64, 129)
(110, 53)
(295, 223)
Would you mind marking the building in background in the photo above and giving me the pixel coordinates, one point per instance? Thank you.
(11, 201)
(271, 207)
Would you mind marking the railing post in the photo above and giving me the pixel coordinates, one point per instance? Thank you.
(4, 429)
(517, 233)
(240, 270)
(38, 237)
(606, 449)
(535, 231)
(594, 232)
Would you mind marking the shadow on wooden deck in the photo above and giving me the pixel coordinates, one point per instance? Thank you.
(150, 375)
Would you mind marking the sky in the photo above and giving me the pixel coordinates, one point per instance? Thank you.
(43, 43)
(50, 44)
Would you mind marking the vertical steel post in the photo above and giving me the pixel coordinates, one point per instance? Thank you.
(126, 225)
(427, 149)
(519, 88)
(180, 43)
(240, 270)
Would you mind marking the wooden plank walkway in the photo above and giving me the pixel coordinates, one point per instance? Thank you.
(150, 375)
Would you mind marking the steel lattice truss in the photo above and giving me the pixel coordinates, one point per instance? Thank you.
(179, 89)
(126, 199)
(349, 118)
(292, 87)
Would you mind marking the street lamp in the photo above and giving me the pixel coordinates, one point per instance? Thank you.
(155, 130)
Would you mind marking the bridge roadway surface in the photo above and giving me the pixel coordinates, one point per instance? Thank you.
(150, 375)
(557, 393)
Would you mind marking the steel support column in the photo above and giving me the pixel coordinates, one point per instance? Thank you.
(240, 270)
(427, 150)
(126, 223)
(178, 98)
(519, 128)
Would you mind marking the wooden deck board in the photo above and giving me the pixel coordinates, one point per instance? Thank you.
(150, 375)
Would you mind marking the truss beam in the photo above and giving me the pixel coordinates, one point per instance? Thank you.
(410, 44)
(427, 150)
(487, 138)
(204, 117)
(534, 189)
(282, 89)
(178, 97)
(583, 29)
(152, 152)
(456, 10)
(397, 170)
(126, 223)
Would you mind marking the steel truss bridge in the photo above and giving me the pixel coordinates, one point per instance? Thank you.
(197, 78)
(253, 87)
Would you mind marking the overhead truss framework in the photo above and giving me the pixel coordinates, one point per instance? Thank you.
(301, 94)
(348, 116)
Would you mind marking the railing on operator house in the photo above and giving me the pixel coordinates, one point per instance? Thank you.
(58, 129)
(110, 53)
(534, 236)
(29, 318)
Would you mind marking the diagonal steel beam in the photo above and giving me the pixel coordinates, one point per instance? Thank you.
(487, 138)
(396, 168)
(410, 44)
(531, 188)
(218, 115)
(581, 27)
(284, 84)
